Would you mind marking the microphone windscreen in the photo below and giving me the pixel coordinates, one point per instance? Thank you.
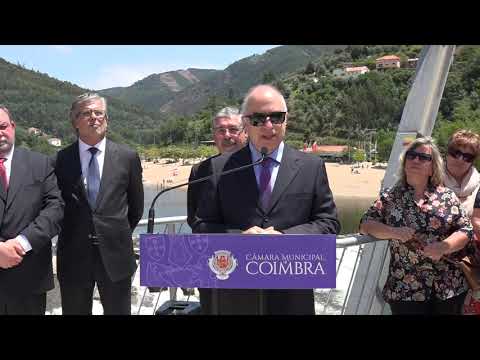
(264, 151)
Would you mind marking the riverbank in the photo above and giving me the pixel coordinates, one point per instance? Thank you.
(345, 180)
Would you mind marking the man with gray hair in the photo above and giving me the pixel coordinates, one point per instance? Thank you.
(288, 193)
(101, 183)
(31, 209)
(229, 136)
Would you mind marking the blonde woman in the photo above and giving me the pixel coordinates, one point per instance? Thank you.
(427, 229)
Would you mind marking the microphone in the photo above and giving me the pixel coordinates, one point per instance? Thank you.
(151, 212)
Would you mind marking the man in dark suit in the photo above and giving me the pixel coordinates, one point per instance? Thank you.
(229, 136)
(101, 183)
(31, 209)
(287, 194)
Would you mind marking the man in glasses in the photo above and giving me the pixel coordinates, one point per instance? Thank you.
(31, 209)
(287, 194)
(101, 183)
(229, 136)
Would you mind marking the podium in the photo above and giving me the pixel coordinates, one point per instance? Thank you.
(238, 273)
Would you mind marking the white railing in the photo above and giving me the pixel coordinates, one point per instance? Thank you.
(327, 301)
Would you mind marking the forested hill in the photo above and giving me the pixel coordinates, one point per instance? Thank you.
(38, 100)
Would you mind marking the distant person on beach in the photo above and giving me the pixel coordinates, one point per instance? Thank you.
(464, 180)
(31, 209)
(101, 183)
(428, 230)
(229, 136)
(287, 194)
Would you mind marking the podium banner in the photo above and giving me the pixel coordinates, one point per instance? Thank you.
(237, 261)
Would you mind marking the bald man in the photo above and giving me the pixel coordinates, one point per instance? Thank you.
(288, 194)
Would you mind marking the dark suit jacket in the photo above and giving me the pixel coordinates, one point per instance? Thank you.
(195, 191)
(33, 207)
(118, 210)
(301, 203)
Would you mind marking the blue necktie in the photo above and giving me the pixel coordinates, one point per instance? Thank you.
(93, 178)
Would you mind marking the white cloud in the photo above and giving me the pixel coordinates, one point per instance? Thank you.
(64, 49)
(125, 75)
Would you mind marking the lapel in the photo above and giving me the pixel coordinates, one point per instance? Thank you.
(76, 170)
(247, 176)
(286, 173)
(18, 175)
(108, 170)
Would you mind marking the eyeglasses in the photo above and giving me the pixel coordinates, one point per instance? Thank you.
(259, 119)
(87, 113)
(457, 154)
(412, 155)
(231, 130)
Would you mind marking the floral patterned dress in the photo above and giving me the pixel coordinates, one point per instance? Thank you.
(412, 276)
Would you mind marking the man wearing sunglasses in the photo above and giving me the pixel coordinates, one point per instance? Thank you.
(288, 193)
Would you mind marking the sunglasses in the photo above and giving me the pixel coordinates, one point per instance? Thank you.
(457, 154)
(412, 155)
(259, 119)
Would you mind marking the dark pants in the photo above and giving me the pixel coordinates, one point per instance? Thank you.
(434, 306)
(31, 304)
(77, 299)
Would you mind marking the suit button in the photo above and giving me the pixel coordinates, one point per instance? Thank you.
(266, 219)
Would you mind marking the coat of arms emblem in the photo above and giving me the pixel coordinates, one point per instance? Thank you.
(222, 263)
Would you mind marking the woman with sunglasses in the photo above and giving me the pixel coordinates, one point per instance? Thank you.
(428, 230)
(462, 177)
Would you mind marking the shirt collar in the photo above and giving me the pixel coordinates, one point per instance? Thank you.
(84, 147)
(276, 155)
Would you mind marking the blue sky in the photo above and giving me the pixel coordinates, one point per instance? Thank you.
(104, 66)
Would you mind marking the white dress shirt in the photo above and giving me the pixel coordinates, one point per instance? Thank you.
(86, 155)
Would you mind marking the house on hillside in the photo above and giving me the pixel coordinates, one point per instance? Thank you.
(388, 62)
(355, 71)
(55, 142)
(350, 72)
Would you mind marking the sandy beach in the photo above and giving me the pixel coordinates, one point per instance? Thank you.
(362, 182)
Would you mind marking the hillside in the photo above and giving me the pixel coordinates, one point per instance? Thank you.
(38, 100)
(155, 90)
(236, 79)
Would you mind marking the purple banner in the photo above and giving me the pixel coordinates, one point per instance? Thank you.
(236, 261)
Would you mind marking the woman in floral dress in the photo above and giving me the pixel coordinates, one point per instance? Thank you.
(428, 231)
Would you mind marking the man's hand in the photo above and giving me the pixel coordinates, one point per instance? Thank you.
(17, 246)
(259, 230)
(403, 234)
(8, 254)
(271, 231)
(436, 250)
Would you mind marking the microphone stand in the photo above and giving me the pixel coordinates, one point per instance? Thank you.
(151, 213)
